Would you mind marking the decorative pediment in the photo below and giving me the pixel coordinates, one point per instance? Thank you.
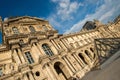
(25, 19)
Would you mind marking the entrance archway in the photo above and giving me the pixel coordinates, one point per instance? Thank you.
(61, 70)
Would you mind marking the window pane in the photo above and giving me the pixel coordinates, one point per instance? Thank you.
(32, 29)
(29, 57)
(15, 30)
(47, 50)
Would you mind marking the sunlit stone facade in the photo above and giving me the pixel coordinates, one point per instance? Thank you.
(33, 50)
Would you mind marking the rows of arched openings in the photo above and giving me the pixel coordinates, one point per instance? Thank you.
(87, 53)
(47, 49)
(49, 52)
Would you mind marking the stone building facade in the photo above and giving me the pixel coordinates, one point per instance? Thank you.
(33, 50)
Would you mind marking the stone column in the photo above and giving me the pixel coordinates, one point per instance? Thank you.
(53, 42)
(69, 65)
(16, 58)
(66, 43)
(30, 76)
(49, 72)
(21, 56)
(87, 59)
(36, 47)
(92, 54)
(72, 63)
(54, 72)
(63, 44)
(25, 77)
(77, 61)
(80, 60)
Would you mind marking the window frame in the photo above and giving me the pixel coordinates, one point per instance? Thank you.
(32, 29)
(29, 57)
(15, 30)
(47, 50)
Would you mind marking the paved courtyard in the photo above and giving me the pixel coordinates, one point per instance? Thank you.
(109, 71)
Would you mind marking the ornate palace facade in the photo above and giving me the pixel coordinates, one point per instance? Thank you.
(33, 50)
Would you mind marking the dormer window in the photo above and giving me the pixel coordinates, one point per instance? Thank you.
(15, 30)
(32, 29)
(21, 41)
(45, 28)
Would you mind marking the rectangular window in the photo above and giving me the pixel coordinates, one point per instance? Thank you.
(1, 72)
(29, 57)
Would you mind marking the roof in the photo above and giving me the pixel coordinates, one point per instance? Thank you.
(89, 25)
(10, 19)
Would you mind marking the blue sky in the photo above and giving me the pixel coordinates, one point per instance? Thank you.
(66, 16)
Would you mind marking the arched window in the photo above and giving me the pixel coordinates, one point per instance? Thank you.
(47, 49)
(82, 57)
(32, 29)
(15, 30)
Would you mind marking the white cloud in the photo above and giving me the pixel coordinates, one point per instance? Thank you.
(66, 8)
(103, 13)
(107, 15)
(53, 21)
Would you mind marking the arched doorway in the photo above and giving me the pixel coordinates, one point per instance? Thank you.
(61, 71)
(83, 58)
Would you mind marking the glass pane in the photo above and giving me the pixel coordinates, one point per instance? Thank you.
(32, 29)
(15, 30)
(47, 50)
(29, 57)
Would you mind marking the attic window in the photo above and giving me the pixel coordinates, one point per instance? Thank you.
(32, 29)
(15, 30)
